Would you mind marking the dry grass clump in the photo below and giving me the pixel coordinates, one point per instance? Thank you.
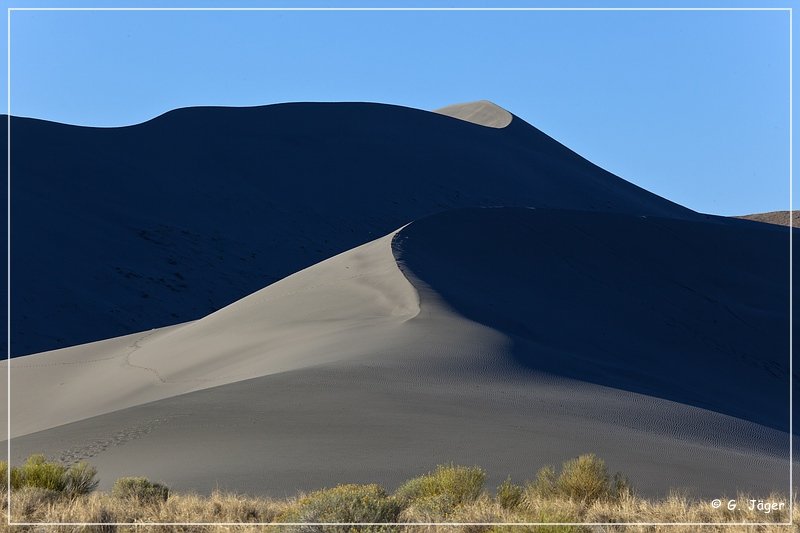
(344, 503)
(678, 508)
(509, 495)
(585, 479)
(582, 492)
(139, 489)
(434, 496)
(224, 507)
(36, 505)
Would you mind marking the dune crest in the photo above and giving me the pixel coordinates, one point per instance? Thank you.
(482, 112)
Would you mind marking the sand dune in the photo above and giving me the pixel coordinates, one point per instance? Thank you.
(505, 337)
(170, 220)
(587, 315)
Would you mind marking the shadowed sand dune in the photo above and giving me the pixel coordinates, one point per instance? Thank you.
(605, 320)
(172, 219)
(694, 312)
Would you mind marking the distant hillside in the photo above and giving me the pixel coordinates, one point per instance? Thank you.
(775, 217)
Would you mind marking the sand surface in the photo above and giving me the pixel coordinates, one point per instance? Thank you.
(383, 422)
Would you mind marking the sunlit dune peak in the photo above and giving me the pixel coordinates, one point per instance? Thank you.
(482, 112)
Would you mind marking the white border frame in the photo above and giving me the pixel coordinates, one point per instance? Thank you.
(8, 266)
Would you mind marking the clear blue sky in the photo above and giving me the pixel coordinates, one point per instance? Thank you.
(693, 106)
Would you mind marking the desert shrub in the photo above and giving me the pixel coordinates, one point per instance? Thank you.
(344, 503)
(584, 479)
(436, 508)
(455, 484)
(16, 478)
(509, 495)
(545, 485)
(39, 473)
(139, 489)
(81, 479)
(620, 487)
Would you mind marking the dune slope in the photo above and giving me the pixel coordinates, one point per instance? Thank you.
(335, 310)
(694, 312)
